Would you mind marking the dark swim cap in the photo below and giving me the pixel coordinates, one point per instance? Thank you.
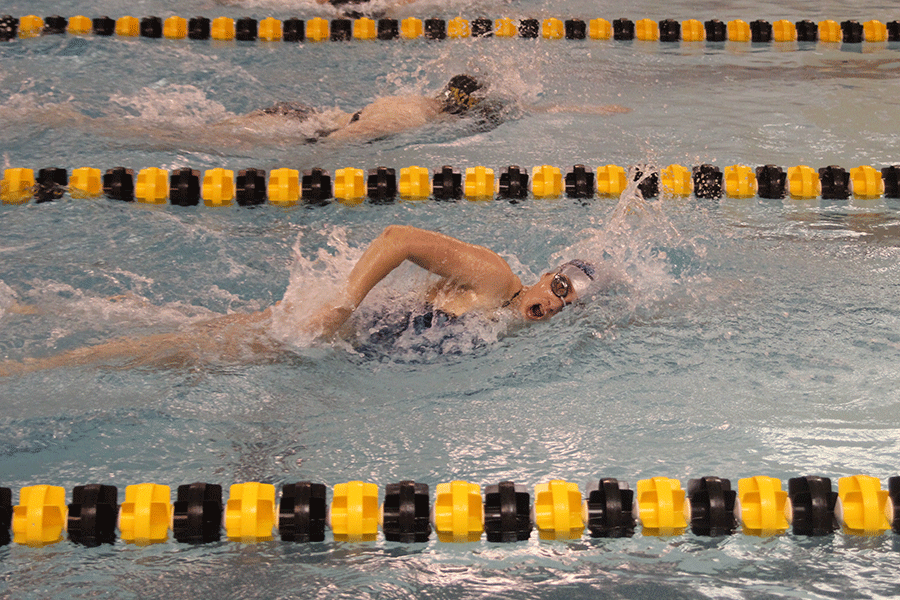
(457, 96)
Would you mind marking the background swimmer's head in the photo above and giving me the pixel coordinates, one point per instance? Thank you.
(458, 95)
(557, 289)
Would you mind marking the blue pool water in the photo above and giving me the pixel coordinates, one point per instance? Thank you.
(757, 337)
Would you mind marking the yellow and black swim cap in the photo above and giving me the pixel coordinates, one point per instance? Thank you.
(458, 97)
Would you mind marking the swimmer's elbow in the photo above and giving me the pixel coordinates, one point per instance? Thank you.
(395, 230)
(391, 230)
(396, 235)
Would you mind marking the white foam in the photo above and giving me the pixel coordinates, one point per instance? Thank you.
(171, 104)
(125, 310)
(315, 282)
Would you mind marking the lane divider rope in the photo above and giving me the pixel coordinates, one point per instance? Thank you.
(381, 185)
(460, 512)
(319, 29)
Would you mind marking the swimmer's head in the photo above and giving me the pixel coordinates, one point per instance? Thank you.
(458, 95)
(557, 289)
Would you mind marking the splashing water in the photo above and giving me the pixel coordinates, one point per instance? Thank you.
(315, 282)
(389, 310)
(182, 105)
(638, 242)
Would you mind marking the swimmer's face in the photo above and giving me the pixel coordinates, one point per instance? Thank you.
(539, 302)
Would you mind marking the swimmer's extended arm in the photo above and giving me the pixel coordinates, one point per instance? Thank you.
(584, 109)
(469, 266)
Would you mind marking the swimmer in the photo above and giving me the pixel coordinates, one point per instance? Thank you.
(463, 107)
(473, 279)
(463, 96)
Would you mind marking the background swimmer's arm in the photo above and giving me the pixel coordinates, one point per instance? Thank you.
(467, 265)
(584, 109)
(387, 116)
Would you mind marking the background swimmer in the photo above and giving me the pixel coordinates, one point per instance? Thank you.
(473, 279)
(183, 119)
(463, 96)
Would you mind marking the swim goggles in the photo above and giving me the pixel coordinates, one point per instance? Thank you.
(574, 275)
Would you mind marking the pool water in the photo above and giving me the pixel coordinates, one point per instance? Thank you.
(755, 336)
